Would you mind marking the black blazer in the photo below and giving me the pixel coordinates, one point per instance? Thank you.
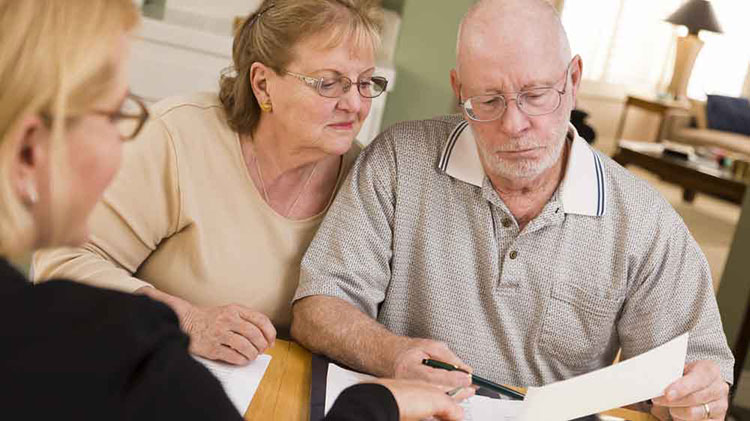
(70, 351)
(73, 352)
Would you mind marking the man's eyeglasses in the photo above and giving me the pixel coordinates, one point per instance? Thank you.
(532, 102)
(338, 86)
(130, 118)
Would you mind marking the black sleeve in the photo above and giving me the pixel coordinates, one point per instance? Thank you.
(70, 351)
(364, 402)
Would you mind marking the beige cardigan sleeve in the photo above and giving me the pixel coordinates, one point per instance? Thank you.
(139, 210)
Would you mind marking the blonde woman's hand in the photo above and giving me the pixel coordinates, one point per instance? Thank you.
(418, 400)
(232, 333)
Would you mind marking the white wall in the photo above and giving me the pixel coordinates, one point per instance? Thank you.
(214, 16)
(225, 8)
(605, 103)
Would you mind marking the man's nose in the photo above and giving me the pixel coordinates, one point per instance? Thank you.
(514, 121)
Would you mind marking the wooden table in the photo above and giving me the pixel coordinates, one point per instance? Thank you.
(284, 392)
(654, 105)
(692, 176)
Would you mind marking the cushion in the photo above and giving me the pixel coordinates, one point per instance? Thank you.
(728, 114)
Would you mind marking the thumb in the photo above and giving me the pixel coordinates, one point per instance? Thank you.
(661, 413)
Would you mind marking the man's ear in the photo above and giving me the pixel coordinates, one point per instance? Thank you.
(456, 85)
(29, 141)
(576, 75)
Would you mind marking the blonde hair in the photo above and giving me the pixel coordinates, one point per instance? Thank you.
(55, 61)
(269, 35)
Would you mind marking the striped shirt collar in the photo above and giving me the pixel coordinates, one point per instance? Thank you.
(583, 188)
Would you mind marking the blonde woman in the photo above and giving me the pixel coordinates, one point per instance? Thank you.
(70, 351)
(217, 202)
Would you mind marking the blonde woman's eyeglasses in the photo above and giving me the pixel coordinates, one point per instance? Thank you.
(130, 118)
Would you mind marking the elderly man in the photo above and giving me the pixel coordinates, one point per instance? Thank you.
(502, 238)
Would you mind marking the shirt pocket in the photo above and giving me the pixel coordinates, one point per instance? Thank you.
(577, 325)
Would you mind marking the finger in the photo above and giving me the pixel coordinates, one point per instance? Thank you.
(448, 410)
(240, 344)
(261, 322)
(716, 410)
(228, 355)
(660, 412)
(252, 333)
(698, 376)
(440, 351)
(463, 394)
(443, 377)
(714, 391)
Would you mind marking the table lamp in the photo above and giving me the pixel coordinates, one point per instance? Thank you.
(696, 15)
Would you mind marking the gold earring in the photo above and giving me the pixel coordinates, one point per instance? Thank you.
(266, 106)
(31, 194)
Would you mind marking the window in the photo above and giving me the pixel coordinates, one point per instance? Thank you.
(627, 42)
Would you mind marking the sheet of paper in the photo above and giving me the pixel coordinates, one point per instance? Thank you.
(339, 379)
(239, 382)
(478, 408)
(634, 380)
(482, 408)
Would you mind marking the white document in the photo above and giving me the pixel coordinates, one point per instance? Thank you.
(631, 381)
(239, 382)
(481, 408)
(477, 408)
(339, 379)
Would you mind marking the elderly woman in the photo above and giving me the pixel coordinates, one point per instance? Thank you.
(218, 200)
(71, 351)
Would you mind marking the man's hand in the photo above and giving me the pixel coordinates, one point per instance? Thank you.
(232, 333)
(418, 400)
(700, 394)
(407, 363)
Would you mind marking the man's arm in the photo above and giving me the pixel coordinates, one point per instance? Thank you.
(346, 271)
(331, 326)
(671, 293)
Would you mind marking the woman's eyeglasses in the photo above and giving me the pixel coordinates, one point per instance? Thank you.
(338, 86)
(130, 118)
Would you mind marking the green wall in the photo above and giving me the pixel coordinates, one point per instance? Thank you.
(734, 289)
(425, 54)
(395, 5)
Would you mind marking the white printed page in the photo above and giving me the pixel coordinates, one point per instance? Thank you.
(339, 379)
(240, 382)
(482, 408)
(635, 380)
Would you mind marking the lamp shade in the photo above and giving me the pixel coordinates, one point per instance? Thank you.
(696, 15)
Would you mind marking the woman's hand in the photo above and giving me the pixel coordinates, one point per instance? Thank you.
(418, 400)
(231, 333)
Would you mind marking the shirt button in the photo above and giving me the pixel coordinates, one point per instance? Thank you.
(513, 255)
(506, 222)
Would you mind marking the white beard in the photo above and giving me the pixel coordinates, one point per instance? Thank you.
(526, 168)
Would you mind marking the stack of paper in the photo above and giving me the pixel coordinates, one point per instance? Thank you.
(239, 382)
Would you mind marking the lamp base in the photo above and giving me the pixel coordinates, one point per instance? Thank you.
(688, 48)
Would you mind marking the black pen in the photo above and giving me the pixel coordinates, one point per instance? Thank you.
(476, 380)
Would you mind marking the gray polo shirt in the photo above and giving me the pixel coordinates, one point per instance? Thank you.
(418, 239)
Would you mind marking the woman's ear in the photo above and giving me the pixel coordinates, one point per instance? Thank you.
(30, 144)
(259, 76)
